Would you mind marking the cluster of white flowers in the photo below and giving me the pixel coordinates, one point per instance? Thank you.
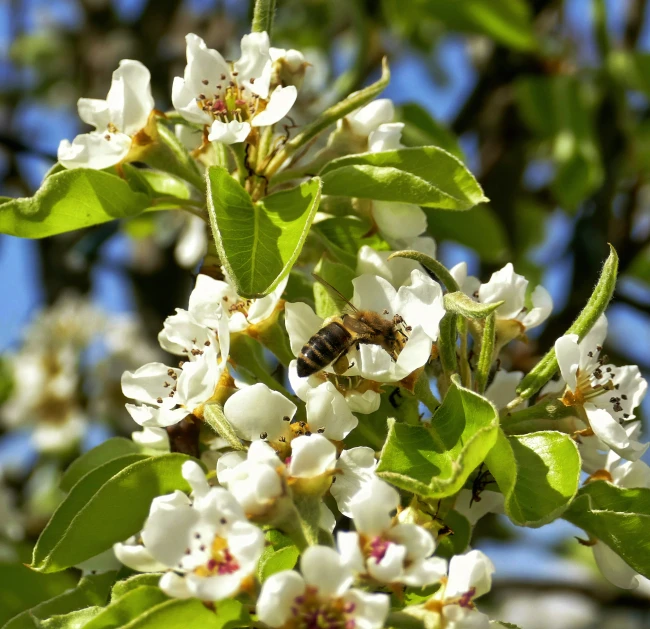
(48, 394)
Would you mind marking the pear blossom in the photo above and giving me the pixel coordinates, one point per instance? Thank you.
(205, 543)
(152, 438)
(398, 270)
(320, 596)
(384, 550)
(210, 296)
(333, 399)
(469, 577)
(166, 395)
(604, 395)
(474, 509)
(256, 479)
(418, 307)
(288, 66)
(231, 98)
(192, 243)
(510, 287)
(119, 121)
(503, 388)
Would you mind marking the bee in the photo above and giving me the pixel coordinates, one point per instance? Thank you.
(339, 333)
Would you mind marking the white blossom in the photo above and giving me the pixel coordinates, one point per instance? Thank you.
(418, 306)
(207, 546)
(166, 395)
(211, 296)
(470, 576)
(231, 98)
(510, 287)
(355, 473)
(117, 120)
(320, 596)
(383, 549)
(607, 394)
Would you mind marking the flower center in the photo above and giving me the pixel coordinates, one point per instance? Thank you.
(228, 100)
(377, 547)
(221, 560)
(309, 611)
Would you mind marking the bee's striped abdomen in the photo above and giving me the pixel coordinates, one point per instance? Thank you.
(322, 348)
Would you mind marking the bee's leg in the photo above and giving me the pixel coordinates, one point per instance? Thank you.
(341, 364)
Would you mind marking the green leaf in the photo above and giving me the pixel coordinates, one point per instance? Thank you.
(23, 588)
(155, 183)
(70, 200)
(506, 21)
(128, 607)
(479, 228)
(106, 506)
(132, 583)
(71, 620)
(344, 236)
(421, 129)
(107, 451)
(425, 175)
(178, 614)
(231, 613)
(339, 276)
(600, 298)
(456, 542)
(91, 590)
(258, 243)
(465, 306)
(537, 473)
(273, 561)
(436, 462)
(618, 517)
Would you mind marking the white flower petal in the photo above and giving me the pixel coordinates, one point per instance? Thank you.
(568, 358)
(301, 323)
(490, 502)
(278, 596)
(324, 568)
(174, 585)
(390, 567)
(137, 557)
(350, 551)
(373, 293)
(370, 610)
(503, 388)
(615, 569)
(95, 112)
(311, 456)
(192, 243)
(470, 570)
(542, 307)
(203, 64)
(610, 432)
(386, 137)
(368, 118)
(256, 410)
(279, 105)
(129, 100)
(185, 103)
(356, 469)
(230, 132)
(146, 384)
(327, 409)
(152, 437)
(371, 507)
(424, 572)
(415, 353)
(97, 150)
(421, 303)
(255, 63)
(508, 286)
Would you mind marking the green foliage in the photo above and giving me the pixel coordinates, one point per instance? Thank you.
(123, 587)
(259, 242)
(436, 461)
(23, 588)
(214, 417)
(90, 591)
(427, 176)
(344, 236)
(339, 276)
(79, 528)
(537, 473)
(618, 517)
(109, 450)
(69, 200)
(421, 129)
(457, 541)
(280, 554)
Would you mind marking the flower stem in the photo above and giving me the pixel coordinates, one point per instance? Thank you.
(546, 409)
(263, 15)
(487, 350)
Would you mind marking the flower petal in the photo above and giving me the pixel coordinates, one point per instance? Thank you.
(129, 100)
(567, 352)
(255, 63)
(279, 105)
(256, 410)
(356, 468)
(229, 132)
(192, 243)
(324, 568)
(328, 410)
(368, 118)
(278, 596)
(311, 456)
(508, 286)
(301, 323)
(399, 220)
(610, 432)
(386, 137)
(97, 150)
(615, 569)
(470, 570)
(95, 112)
(370, 610)
(542, 307)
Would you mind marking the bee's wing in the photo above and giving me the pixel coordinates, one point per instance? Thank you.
(345, 304)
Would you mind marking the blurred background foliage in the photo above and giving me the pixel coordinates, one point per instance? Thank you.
(545, 100)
